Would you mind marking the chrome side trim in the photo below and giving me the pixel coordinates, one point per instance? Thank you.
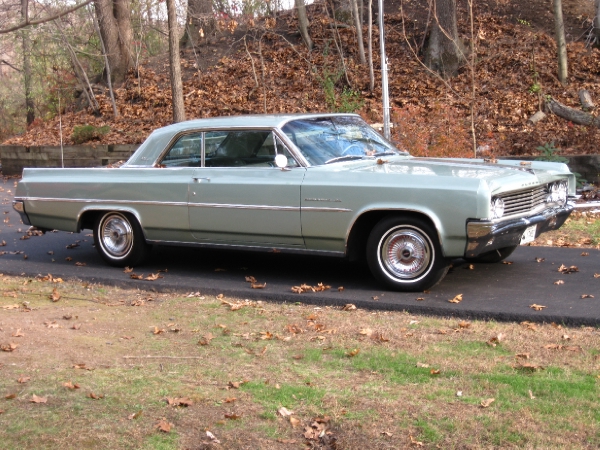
(271, 249)
(196, 205)
(324, 209)
(103, 201)
(234, 206)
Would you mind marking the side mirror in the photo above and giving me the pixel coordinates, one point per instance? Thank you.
(281, 161)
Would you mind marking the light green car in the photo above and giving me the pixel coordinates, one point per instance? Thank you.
(326, 184)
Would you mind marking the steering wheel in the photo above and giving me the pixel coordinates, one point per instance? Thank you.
(349, 150)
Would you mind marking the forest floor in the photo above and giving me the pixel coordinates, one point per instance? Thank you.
(261, 66)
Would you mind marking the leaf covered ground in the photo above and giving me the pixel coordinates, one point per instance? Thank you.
(99, 367)
(261, 66)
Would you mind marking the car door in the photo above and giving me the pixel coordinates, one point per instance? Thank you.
(240, 197)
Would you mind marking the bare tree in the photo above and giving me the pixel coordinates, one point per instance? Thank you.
(445, 53)
(114, 20)
(303, 23)
(175, 63)
(359, 35)
(200, 22)
(27, 64)
(26, 22)
(597, 23)
(370, 46)
(561, 41)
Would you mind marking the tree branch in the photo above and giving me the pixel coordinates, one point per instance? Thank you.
(3, 61)
(46, 19)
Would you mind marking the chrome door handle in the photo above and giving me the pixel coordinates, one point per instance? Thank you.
(199, 179)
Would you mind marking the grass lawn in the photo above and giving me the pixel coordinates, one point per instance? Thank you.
(109, 368)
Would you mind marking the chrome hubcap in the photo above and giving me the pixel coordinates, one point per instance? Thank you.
(116, 235)
(405, 253)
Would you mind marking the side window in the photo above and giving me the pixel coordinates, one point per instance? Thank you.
(247, 148)
(187, 152)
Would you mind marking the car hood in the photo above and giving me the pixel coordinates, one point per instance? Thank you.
(500, 176)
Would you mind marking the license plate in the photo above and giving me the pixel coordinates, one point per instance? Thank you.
(528, 235)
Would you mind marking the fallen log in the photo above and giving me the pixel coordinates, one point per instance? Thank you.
(572, 114)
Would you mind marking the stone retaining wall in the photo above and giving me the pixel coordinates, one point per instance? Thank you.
(14, 157)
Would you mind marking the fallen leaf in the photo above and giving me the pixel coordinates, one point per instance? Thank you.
(258, 286)
(539, 260)
(163, 425)
(230, 400)
(80, 264)
(251, 279)
(507, 262)
(10, 396)
(134, 276)
(68, 258)
(537, 307)
(233, 416)
(585, 254)
(487, 402)
(597, 275)
(76, 326)
(158, 330)
(95, 396)
(464, 324)
(420, 299)
(349, 307)
(153, 277)
(531, 396)
(434, 371)
(565, 269)
(353, 352)
(582, 296)
(10, 347)
(294, 422)
(70, 385)
(212, 437)
(18, 333)
(559, 282)
(36, 399)
(55, 296)
(135, 415)
(176, 401)
(456, 299)
(340, 288)
(284, 412)
(205, 340)
(23, 380)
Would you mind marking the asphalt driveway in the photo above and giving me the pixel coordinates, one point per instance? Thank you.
(489, 291)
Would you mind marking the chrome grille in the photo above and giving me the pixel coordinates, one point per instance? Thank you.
(525, 201)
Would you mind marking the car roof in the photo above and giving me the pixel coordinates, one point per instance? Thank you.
(249, 120)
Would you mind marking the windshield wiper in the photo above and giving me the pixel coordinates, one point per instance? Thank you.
(344, 158)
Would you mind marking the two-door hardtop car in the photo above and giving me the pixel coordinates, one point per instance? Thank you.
(321, 183)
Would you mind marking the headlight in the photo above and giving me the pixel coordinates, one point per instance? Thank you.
(558, 192)
(497, 207)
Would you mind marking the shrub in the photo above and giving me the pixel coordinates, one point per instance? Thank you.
(86, 133)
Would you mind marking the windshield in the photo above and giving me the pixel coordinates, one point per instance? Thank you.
(326, 140)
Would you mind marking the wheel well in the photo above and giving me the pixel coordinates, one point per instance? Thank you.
(357, 239)
(87, 219)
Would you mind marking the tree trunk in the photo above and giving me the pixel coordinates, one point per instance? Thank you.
(200, 22)
(359, 35)
(597, 23)
(561, 41)
(370, 46)
(27, 65)
(114, 20)
(176, 85)
(445, 53)
(303, 23)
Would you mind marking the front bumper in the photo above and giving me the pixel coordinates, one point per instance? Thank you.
(485, 236)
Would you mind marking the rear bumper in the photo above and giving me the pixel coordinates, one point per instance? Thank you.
(19, 206)
(485, 236)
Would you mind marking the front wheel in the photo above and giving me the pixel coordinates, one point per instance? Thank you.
(119, 239)
(404, 253)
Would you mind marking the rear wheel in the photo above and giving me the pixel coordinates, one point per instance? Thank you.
(119, 239)
(494, 256)
(404, 253)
